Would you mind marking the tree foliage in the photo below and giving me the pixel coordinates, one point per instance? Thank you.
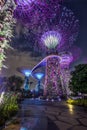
(78, 81)
(7, 23)
(14, 83)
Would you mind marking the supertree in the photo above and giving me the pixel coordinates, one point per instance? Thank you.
(34, 12)
(57, 73)
(55, 27)
(39, 87)
(51, 39)
(60, 39)
(27, 73)
(40, 8)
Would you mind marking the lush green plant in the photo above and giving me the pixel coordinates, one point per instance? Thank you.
(6, 29)
(78, 81)
(80, 102)
(9, 107)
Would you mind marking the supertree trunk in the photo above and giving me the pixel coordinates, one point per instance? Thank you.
(52, 79)
(65, 78)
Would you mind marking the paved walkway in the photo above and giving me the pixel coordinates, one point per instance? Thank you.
(44, 115)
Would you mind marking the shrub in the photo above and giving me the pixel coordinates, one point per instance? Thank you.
(10, 107)
(79, 102)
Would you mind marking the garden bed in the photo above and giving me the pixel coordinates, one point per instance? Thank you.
(79, 102)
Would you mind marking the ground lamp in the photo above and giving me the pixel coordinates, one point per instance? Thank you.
(51, 40)
(57, 28)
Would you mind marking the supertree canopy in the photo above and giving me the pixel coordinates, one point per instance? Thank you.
(23, 2)
(57, 73)
(36, 12)
(51, 39)
(45, 16)
(67, 27)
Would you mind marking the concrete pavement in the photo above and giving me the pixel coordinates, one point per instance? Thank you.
(47, 115)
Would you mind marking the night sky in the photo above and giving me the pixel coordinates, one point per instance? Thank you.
(79, 7)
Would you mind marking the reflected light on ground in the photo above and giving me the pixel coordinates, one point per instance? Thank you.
(71, 108)
(23, 128)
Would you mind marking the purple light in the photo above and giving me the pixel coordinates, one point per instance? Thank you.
(44, 16)
(23, 2)
(65, 58)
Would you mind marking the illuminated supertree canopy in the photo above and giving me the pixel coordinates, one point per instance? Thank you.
(45, 16)
(23, 2)
(51, 39)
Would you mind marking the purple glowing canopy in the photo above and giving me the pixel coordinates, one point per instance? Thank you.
(18, 2)
(23, 2)
(44, 16)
